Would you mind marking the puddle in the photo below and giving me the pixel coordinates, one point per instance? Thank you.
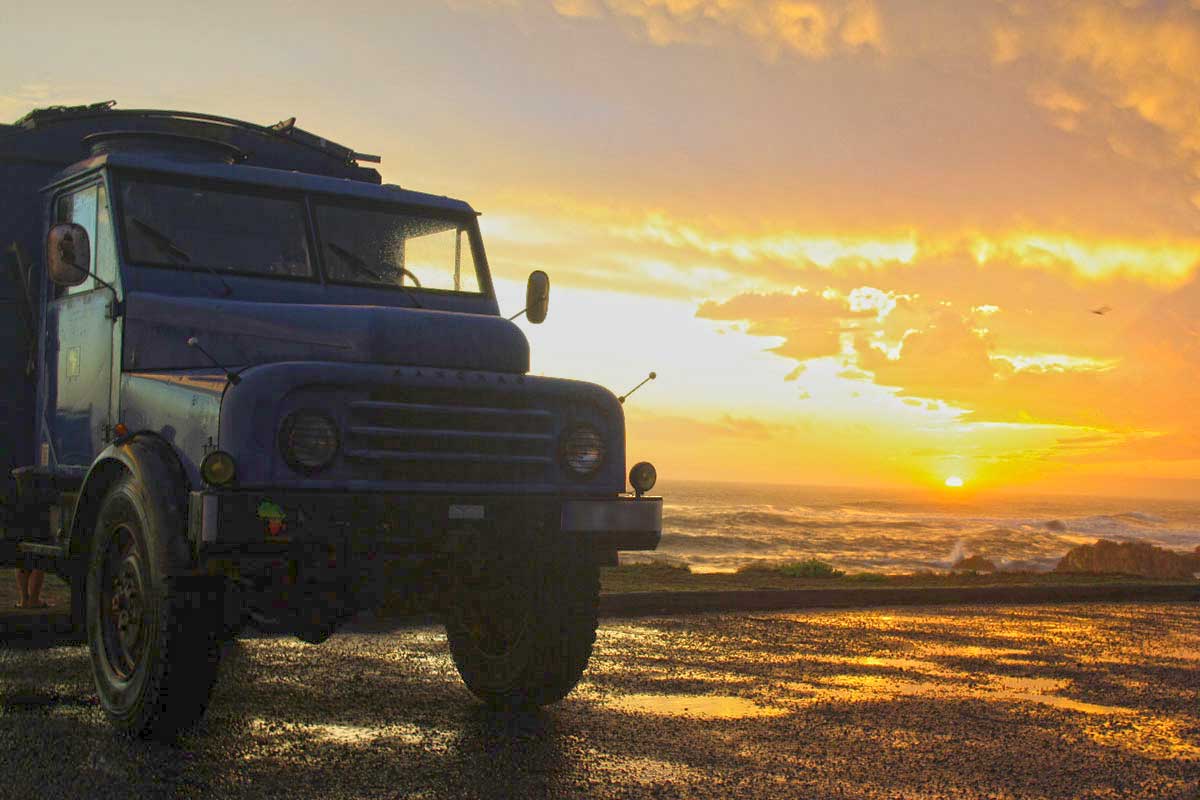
(975, 651)
(887, 661)
(865, 688)
(890, 662)
(702, 706)
(1040, 691)
(868, 688)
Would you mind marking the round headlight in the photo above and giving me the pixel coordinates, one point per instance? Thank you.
(582, 449)
(218, 468)
(308, 440)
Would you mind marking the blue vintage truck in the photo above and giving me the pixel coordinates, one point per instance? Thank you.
(244, 382)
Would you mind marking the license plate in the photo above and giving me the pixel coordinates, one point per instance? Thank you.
(466, 512)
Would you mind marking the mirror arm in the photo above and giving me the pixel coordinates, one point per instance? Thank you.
(117, 307)
(519, 313)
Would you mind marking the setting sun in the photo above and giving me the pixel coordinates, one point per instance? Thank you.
(954, 482)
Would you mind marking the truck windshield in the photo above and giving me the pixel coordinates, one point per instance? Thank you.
(243, 231)
(229, 231)
(389, 247)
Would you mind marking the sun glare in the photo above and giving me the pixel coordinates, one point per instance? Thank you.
(954, 481)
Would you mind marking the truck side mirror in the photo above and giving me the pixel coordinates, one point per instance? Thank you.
(537, 297)
(68, 254)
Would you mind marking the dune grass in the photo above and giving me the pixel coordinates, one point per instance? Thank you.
(811, 568)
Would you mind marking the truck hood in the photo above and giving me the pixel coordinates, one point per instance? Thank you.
(242, 332)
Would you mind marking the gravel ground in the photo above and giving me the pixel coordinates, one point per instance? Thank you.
(1028, 702)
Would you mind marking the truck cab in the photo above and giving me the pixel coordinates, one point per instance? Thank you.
(247, 383)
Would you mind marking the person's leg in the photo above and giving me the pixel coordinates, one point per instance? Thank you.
(23, 586)
(36, 577)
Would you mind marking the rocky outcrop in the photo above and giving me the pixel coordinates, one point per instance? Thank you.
(974, 564)
(1131, 558)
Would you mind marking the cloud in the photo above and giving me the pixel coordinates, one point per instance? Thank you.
(725, 427)
(810, 322)
(940, 360)
(586, 9)
(826, 251)
(1063, 107)
(806, 29)
(1159, 259)
(1126, 74)
(1003, 341)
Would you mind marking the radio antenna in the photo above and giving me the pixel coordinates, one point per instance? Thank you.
(648, 378)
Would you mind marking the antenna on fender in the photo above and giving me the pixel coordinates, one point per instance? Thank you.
(230, 376)
(645, 380)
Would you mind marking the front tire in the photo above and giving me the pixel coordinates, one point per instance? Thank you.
(154, 650)
(521, 633)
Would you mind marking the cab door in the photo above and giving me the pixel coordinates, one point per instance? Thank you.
(80, 324)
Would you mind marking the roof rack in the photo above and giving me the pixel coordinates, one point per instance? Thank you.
(286, 129)
(52, 113)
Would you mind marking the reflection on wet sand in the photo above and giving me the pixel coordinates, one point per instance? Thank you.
(703, 706)
(1094, 700)
(1013, 663)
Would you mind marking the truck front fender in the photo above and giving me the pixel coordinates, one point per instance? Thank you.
(153, 463)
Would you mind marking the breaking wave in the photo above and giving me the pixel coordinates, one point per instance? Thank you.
(716, 527)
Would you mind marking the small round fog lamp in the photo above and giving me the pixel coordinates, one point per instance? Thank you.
(218, 468)
(642, 477)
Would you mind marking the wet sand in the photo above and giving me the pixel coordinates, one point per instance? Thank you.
(1030, 701)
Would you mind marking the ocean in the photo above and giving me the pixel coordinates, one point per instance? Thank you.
(715, 527)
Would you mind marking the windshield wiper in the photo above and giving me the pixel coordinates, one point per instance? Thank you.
(360, 264)
(168, 246)
(353, 260)
(161, 240)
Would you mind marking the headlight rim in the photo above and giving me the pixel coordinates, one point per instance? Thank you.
(568, 432)
(285, 430)
(206, 467)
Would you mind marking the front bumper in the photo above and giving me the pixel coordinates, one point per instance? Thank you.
(251, 521)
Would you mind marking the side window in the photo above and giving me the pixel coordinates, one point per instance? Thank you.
(105, 262)
(81, 208)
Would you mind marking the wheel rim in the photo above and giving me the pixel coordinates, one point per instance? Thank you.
(122, 604)
(495, 613)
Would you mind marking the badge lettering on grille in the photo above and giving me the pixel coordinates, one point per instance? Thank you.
(466, 512)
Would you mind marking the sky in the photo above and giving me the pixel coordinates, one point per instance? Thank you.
(860, 242)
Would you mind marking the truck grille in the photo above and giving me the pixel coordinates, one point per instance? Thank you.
(435, 436)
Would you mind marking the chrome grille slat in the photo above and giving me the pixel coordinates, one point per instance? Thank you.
(413, 455)
(380, 405)
(376, 430)
(450, 436)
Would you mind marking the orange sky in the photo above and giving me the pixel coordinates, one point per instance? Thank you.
(859, 241)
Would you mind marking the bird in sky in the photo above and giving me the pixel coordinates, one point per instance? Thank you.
(1102, 310)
